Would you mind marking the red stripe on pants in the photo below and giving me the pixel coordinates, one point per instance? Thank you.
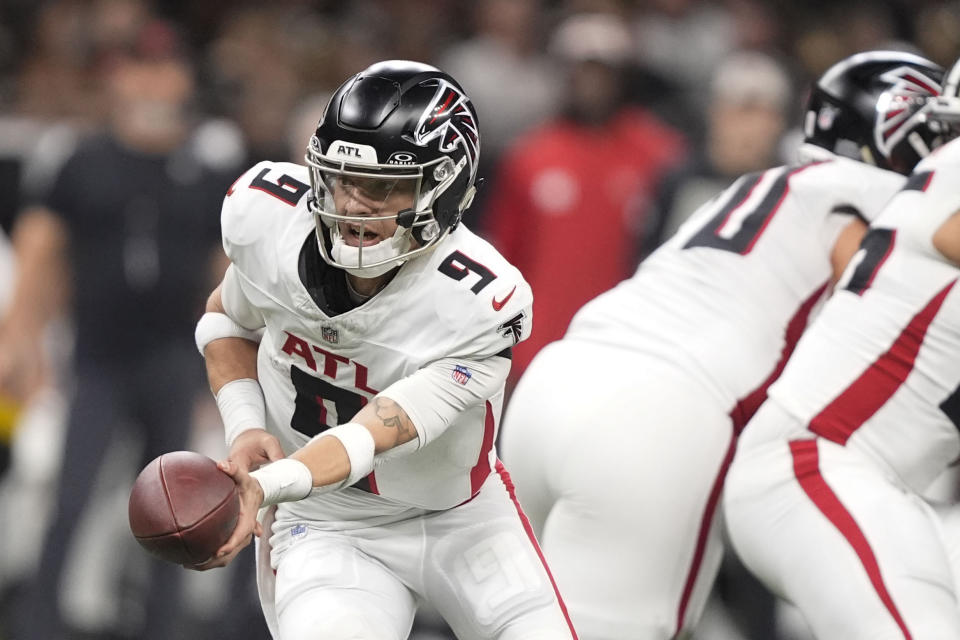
(806, 468)
(705, 524)
(508, 483)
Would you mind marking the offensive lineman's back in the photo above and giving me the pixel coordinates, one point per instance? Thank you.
(900, 290)
(722, 293)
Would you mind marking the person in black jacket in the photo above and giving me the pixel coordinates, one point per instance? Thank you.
(126, 227)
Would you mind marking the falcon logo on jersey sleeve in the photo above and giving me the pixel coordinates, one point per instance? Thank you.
(513, 328)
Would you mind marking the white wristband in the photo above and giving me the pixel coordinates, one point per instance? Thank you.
(214, 325)
(285, 480)
(358, 441)
(242, 407)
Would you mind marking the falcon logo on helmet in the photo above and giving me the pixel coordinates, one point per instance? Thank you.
(902, 105)
(448, 118)
(874, 107)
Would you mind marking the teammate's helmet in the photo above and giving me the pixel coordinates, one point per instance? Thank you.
(873, 107)
(395, 125)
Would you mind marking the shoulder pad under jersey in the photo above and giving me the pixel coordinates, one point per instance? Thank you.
(476, 290)
(267, 198)
(845, 186)
(928, 198)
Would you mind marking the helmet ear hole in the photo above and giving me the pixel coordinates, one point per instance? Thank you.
(426, 233)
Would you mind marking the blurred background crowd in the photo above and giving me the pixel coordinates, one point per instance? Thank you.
(123, 122)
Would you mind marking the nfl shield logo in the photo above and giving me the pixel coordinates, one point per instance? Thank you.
(461, 374)
(329, 334)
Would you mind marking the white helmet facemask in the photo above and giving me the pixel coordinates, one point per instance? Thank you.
(383, 189)
(381, 257)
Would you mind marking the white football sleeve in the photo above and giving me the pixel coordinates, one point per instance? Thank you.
(236, 304)
(436, 394)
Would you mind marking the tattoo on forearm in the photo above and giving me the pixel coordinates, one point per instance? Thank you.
(393, 416)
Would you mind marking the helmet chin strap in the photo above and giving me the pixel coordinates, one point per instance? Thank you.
(384, 251)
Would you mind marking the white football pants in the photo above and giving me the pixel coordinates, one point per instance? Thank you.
(830, 530)
(477, 564)
(618, 459)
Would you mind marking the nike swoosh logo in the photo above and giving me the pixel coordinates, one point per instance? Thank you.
(497, 305)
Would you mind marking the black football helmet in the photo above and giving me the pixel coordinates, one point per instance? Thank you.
(873, 107)
(395, 126)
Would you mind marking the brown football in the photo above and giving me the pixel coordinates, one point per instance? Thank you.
(183, 508)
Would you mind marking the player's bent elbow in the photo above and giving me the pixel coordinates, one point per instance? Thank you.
(214, 301)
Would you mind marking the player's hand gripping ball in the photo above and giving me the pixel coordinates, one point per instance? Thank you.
(183, 508)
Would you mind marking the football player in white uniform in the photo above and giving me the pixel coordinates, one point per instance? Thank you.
(822, 501)
(359, 343)
(619, 435)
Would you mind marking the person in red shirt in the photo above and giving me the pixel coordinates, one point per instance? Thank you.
(568, 205)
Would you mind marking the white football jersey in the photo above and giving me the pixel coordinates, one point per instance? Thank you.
(728, 296)
(321, 360)
(880, 368)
